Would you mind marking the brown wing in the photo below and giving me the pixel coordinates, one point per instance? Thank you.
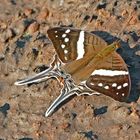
(111, 78)
(66, 40)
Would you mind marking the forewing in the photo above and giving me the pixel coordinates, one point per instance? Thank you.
(73, 44)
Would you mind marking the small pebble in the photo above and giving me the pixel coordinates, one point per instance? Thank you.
(124, 13)
(135, 117)
(65, 125)
(103, 13)
(7, 35)
(43, 14)
(3, 25)
(10, 33)
(33, 27)
(28, 11)
(134, 20)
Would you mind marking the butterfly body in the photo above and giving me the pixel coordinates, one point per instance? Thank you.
(89, 66)
(84, 68)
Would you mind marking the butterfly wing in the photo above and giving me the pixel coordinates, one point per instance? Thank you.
(76, 49)
(73, 44)
(111, 78)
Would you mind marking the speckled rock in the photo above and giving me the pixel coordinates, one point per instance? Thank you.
(29, 51)
(33, 27)
(28, 11)
(44, 13)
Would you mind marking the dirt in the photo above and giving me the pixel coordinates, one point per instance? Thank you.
(26, 49)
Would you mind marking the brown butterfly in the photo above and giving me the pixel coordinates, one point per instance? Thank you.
(84, 64)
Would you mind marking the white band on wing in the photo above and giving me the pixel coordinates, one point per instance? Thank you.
(104, 72)
(80, 45)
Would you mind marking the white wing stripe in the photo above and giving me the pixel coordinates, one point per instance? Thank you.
(80, 45)
(104, 72)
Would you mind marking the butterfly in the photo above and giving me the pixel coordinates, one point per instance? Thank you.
(84, 64)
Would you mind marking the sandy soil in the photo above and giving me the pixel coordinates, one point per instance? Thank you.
(25, 49)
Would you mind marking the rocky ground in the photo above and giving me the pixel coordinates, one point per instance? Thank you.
(25, 49)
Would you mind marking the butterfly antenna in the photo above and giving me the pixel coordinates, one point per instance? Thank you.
(127, 22)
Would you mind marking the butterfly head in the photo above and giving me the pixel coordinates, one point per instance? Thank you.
(117, 44)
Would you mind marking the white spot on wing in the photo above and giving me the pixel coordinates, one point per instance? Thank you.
(114, 85)
(92, 84)
(63, 46)
(65, 58)
(119, 87)
(123, 94)
(83, 82)
(67, 31)
(56, 36)
(66, 39)
(125, 84)
(80, 45)
(63, 35)
(65, 51)
(106, 87)
(100, 84)
(104, 72)
(55, 31)
(117, 93)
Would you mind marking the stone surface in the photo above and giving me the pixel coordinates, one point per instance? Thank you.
(25, 49)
